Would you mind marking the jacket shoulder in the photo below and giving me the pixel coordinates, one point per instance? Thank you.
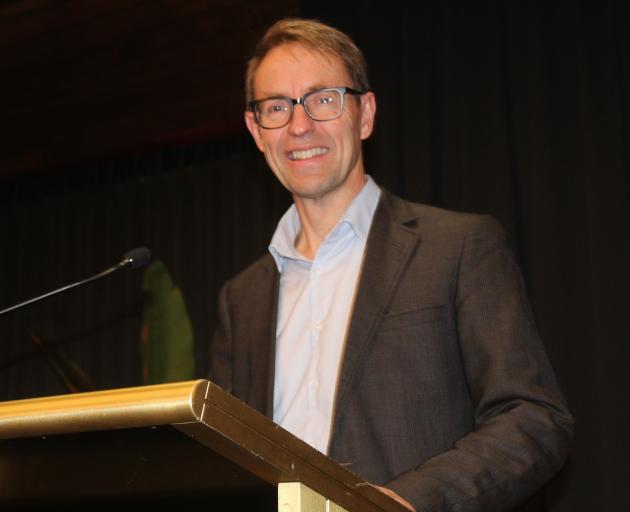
(253, 275)
(432, 219)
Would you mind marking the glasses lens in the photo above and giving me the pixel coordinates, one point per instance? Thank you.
(273, 112)
(324, 105)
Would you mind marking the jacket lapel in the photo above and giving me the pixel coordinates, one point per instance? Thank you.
(259, 357)
(390, 244)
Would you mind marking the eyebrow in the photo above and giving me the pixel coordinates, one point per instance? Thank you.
(313, 88)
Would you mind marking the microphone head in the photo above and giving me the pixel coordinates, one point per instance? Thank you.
(137, 257)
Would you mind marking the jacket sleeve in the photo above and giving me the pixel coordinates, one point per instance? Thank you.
(221, 345)
(523, 429)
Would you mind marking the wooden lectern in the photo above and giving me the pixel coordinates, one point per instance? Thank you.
(180, 444)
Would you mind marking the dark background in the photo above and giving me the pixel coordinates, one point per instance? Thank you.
(121, 125)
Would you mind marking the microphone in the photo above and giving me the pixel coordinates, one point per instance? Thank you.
(135, 258)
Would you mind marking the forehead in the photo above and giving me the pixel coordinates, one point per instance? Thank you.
(292, 69)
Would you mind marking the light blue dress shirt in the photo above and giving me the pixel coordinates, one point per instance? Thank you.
(315, 304)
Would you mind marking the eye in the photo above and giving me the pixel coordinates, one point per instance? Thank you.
(273, 107)
(277, 107)
(324, 99)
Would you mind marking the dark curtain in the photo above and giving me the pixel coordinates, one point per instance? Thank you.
(522, 110)
(516, 109)
(204, 211)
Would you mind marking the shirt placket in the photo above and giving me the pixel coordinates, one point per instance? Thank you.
(315, 337)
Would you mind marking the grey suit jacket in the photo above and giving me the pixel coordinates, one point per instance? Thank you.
(445, 394)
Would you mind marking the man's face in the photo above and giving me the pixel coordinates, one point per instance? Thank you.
(311, 159)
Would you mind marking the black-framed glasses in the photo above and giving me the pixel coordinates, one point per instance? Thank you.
(321, 105)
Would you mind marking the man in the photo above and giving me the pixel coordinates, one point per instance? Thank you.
(393, 336)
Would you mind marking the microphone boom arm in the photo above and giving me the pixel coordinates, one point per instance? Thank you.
(134, 259)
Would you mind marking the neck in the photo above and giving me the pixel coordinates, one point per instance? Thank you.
(318, 216)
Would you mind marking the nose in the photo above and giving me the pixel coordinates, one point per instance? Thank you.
(300, 122)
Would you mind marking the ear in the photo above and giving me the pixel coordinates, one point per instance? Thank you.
(254, 129)
(368, 113)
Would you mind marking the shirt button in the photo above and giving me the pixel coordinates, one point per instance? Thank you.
(318, 326)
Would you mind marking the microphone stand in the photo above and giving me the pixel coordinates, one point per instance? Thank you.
(135, 258)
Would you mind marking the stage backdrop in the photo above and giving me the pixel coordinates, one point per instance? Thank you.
(519, 110)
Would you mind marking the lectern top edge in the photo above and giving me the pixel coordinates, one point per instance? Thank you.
(100, 410)
(228, 428)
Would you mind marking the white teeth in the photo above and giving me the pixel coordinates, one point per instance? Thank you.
(309, 153)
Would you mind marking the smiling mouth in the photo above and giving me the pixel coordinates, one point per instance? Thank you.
(308, 153)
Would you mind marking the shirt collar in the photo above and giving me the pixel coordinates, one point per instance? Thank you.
(358, 216)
